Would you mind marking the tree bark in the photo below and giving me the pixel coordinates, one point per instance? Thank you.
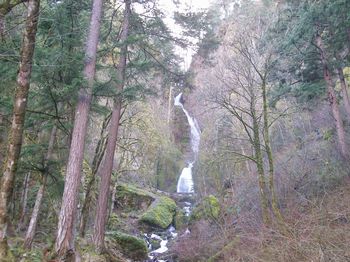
(106, 169)
(24, 198)
(99, 153)
(2, 26)
(40, 194)
(260, 167)
(344, 90)
(64, 245)
(274, 202)
(16, 132)
(332, 99)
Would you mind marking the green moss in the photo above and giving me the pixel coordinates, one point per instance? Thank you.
(209, 208)
(180, 219)
(132, 247)
(161, 213)
(130, 198)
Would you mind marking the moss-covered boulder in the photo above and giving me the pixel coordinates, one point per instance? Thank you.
(209, 208)
(160, 214)
(132, 247)
(129, 198)
(180, 220)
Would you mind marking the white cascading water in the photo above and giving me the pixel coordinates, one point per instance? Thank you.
(184, 185)
(185, 182)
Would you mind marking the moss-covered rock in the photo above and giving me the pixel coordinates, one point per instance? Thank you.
(131, 246)
(180, 220)
(209, 208)
(86, 252)
(160, 214)
(130, 198)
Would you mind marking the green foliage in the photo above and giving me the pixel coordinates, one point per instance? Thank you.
(21, 254)
(201, 27)
(293, 35)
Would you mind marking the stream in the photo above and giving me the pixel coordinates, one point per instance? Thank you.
(185, 186)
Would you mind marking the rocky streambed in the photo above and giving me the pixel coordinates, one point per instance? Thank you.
(144, 224)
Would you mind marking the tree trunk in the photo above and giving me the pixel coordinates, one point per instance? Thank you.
(24, 198)
(99, 153)
(260, 167)
(16, 132)
(106, 169)
(40, 194)
(35, 215)
(333, 99)
(64, 245)
(274, 202)
(344, 90)
(2, 26)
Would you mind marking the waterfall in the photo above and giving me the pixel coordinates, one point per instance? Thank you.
(185, 182)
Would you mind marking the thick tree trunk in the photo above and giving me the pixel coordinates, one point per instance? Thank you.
(40, 194)
(64, 244)
(16, 132)
(106, 169)
(333, 99)
(344, 90)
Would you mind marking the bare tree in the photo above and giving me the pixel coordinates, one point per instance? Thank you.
(243, 79)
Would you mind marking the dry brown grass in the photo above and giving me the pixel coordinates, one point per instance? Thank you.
(320, 232)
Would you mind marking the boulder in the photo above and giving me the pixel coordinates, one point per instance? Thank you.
(208, 208)
(160, 214)
(132, 247)
(180, 220)
(129, 198)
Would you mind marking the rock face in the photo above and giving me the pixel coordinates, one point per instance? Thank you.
(160, 214)
(209, 208)
(181, 130)
(132, 247)
(130, 198)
